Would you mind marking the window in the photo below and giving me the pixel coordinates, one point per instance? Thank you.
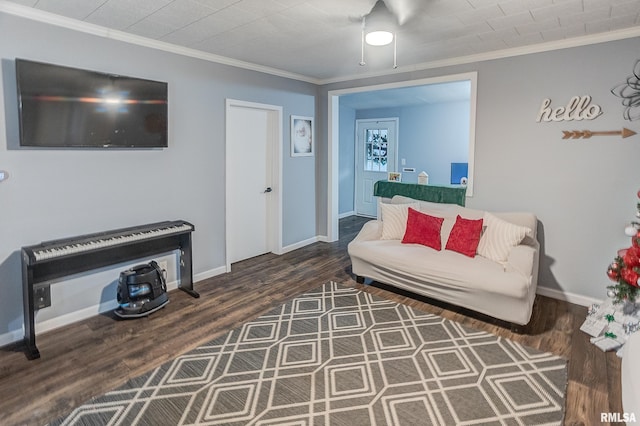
(376, 144)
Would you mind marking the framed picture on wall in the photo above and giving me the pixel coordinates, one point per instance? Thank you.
(302, 143)
(394, 177)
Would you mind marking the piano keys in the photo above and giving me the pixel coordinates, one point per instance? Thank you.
(55, 259)
(61, 248)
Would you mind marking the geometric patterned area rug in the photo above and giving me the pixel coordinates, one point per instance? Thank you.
(339, 356)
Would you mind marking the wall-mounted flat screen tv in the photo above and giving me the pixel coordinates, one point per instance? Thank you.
(68, 107)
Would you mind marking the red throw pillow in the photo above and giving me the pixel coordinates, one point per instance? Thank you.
(423, 229)
(465, 236)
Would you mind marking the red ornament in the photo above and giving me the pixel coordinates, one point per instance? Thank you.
(613, 274)
(631, 258)
(630, 276)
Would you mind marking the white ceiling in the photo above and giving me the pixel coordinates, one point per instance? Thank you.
(409, 96)
(319, 40)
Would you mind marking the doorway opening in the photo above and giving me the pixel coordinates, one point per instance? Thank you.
(334, 136)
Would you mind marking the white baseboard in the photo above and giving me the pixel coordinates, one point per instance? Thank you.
(75, 316)
(300, 244)
(208, 274)
(12, 336)
(72, 317)
(16, 335)
(567, 297)
(346, 214)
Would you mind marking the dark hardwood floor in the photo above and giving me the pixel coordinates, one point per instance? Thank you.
(94, 356)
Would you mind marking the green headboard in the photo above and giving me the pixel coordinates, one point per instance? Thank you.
(433, 193)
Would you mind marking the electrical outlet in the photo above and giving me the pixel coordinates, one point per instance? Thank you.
(42, 297)
(163, 264)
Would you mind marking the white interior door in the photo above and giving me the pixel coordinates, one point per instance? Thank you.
(252, 187)
(376, 146)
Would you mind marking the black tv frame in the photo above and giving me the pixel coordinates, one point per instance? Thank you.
(65, 107)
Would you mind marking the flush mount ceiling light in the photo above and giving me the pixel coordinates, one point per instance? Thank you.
(378, 29)
(379, 26)
(378, 38)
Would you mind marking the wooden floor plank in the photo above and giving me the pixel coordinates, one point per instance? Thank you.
(94, 356)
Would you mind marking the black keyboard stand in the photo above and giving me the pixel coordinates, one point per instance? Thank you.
(37, 274)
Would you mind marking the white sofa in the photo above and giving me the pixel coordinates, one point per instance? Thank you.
(503, 289)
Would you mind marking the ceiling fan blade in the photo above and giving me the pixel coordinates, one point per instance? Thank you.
(381, 16)
(377, 7)
(404, 10)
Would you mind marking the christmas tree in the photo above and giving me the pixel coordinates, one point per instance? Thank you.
(625, 268)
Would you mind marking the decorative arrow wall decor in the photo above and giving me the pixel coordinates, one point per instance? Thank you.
(586, 134)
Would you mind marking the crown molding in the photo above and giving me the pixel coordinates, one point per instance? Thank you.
(97, 30)
(498, 54)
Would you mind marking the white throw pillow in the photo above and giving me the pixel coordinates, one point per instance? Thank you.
(394, 220)
(499, 238)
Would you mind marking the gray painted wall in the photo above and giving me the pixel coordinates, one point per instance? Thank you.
(430, 138)
(433, 137)
(61, 193)
(583, 191)
(347, 160)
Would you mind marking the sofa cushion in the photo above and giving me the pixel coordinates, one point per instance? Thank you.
(503, 290)
(499, 238)
(425, 206)
(423, 229)
(446, 271)
(465, 236)
(394, 220)
(447, 211)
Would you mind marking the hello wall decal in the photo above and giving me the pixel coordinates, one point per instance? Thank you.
(577, 109)
(581, 108)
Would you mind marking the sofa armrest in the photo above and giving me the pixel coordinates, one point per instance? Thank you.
(371, 230)
(528, 220)
(524, 259)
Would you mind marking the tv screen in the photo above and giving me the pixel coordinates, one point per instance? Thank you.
(68, 107)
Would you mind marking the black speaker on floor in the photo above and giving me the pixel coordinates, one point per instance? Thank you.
(142, 290)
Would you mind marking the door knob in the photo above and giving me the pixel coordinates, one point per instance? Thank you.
(268, 190)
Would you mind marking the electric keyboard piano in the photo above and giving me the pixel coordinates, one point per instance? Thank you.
(51, 260)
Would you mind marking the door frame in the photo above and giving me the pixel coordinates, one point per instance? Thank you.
(274, 148)
(333, 137)
(357, 148)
